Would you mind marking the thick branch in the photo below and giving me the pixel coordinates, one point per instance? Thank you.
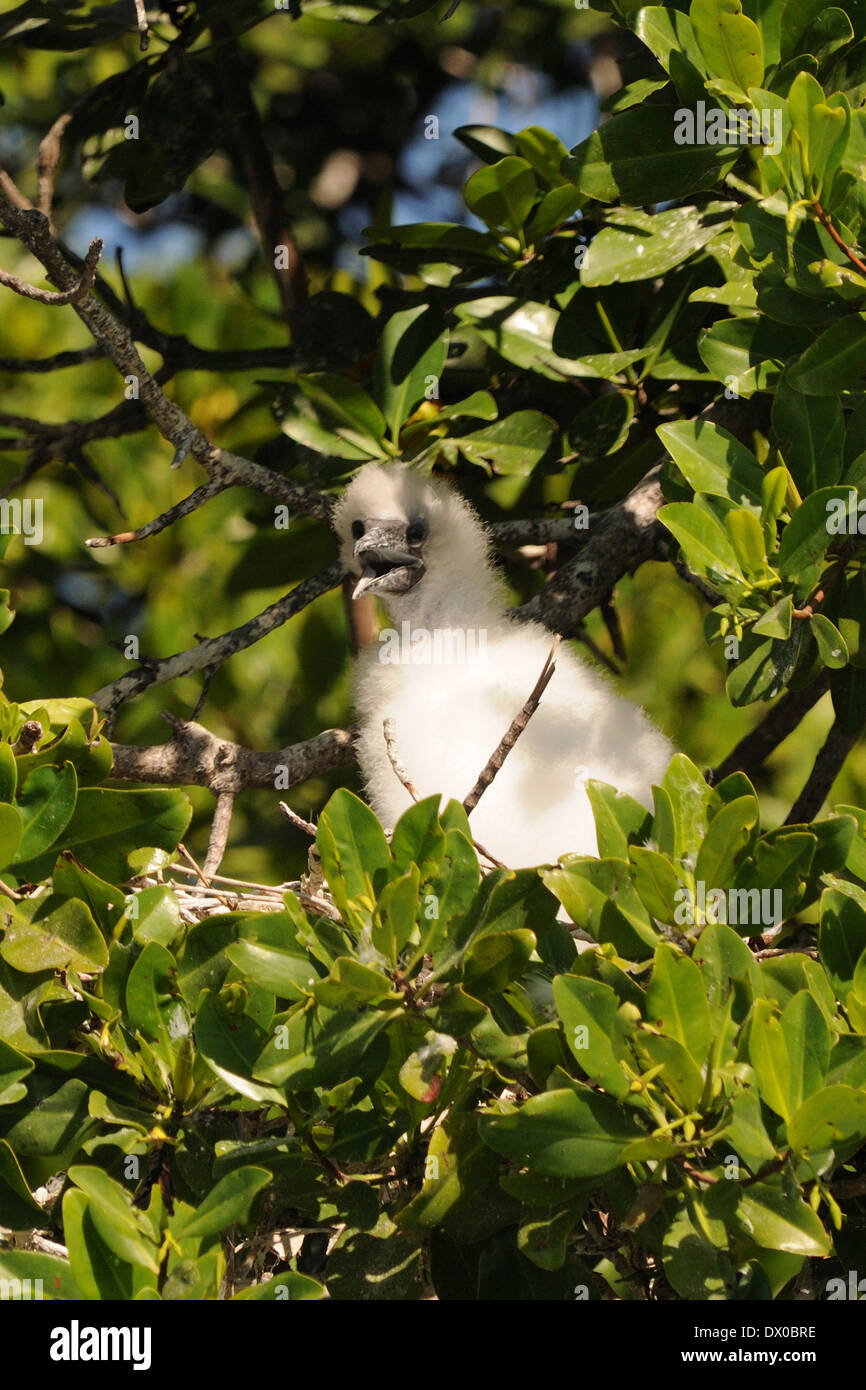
(826, 769)
(213, 651)
(194, 757)
(620, 540)
(773, 729)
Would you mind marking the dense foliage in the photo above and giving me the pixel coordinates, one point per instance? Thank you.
(427, 1069)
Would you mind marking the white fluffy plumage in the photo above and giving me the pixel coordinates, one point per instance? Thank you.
(419, 546)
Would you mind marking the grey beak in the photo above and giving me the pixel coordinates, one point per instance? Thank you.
(383, 555)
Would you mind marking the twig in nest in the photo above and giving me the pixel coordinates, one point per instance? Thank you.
(513, 732)
(305, 825)
(182, 849)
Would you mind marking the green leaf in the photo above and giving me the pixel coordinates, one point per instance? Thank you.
(107, 904)
(831, 643)
(730, 42)
(620, 821)
(18, 1210)
(747, 537)
(810, 431)
(703, 542)
(712, 460)
(55, 1276)
(355, 858)
(835, 362)
(565, 1134)
(46, 805)
(285, 973)
(61, 935)
(108, 825)
(730, 831)
(229, 1202)
(124, 1229)
(805, 539)
(11, 829)
(151, 1003)
(411, 355)
(599, 896)
(728, 968)
(828, 1119)
(544, 151)
(589, 1010)
(598, 430)
(231, 1044)
(495, 959)
(101, 1274)
(842, 938)
(513, 445)
(503, 194)
(634, 158)
(656, 883)
(331, 415)
(776, 622)
(676, 1001)
(622, 253)
(777, 1218)
(299, 1288)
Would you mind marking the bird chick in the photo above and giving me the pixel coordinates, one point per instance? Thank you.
(459, 668)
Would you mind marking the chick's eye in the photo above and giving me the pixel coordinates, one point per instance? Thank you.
(357, 530)
(415, 532)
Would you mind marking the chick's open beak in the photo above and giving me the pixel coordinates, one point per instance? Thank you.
(387, 564)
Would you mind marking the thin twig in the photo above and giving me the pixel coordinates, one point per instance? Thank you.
(840, 242)
(141, 18)
(216, 650)
(305, 825)
(389, 729)
(513, 732)
(74, 295)
(167, 518)
(49, 154)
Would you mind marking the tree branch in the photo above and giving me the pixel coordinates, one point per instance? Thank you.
(826, 769)
(32, 229)
(194, 757)
(213, 651)
(774, 728)
(151, 528)
(73, 295)
(621, 539)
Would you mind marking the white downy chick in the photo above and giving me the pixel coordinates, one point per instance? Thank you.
(458, 668)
